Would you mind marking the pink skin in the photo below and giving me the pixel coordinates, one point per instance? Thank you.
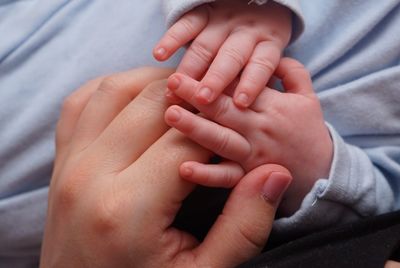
(282, 128)
(228, 37)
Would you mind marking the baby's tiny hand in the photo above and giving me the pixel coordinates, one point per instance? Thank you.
(229, 37)
(282, 128)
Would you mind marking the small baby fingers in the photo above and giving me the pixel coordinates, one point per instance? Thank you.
(182, 32)
(222, 110)
(295, 77)
(257, 73)
(218, 139)
(225, 174)
(230, 60)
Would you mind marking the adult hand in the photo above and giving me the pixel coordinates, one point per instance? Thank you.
(116, 190)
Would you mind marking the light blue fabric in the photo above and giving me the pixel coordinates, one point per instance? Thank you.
(49, 47)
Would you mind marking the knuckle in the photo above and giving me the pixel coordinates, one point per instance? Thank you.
(109, 85)
(175, 36)
(201, 51)
(154, 92)
(263, 63)
(221, 109)
(274, 35)
(68, 191)
(277, 112)
(216, 75)
(73, 181)
(264, 123)
(66, 197)
(247, 234)
(235, 55)
(105, 226)
(279, 37)
(70, 104)
(108, 215)
(105, 218)
(258, 157)
(222, 142)
(228, 179)
(187, 23)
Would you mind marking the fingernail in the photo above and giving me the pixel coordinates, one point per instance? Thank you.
(186, 172)
(173, 83)
(160, 51)
(275, 186)
(173, 115)
(172, 98)
(168, 93)
(242, 99)
(205, 94)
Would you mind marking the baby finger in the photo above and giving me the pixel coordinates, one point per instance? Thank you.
(257, 73)
(218, 139)
(225, 174)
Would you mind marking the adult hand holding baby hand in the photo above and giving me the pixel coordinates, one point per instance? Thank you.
(286, 128)
(116, 190)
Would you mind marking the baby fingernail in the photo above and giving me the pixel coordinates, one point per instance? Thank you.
(242, 99)
(186, 172)
(173, 115)
(160, 51)
(173, 83)
(205, 94)
(275, 186)
(169, 93)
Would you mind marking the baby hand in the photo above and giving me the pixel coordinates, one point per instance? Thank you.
(282, 128)
(228, 37)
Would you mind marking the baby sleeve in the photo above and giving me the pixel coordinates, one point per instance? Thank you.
(359, 185)
(174, 9)
(364, 180)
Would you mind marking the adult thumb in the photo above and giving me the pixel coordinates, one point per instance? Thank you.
(243, 227)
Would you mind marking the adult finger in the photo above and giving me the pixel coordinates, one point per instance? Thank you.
(231, 58)
(181, 33)
(218, 139)
(257, 73)
(222, 110)
(154, 176)
(110, 98)
(295, 77)
(225, 174)
(134, 129)
(71, 110)
(202, 51)
(243, 227)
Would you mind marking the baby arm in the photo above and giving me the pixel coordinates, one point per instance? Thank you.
(228, 37)
(283, 128)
